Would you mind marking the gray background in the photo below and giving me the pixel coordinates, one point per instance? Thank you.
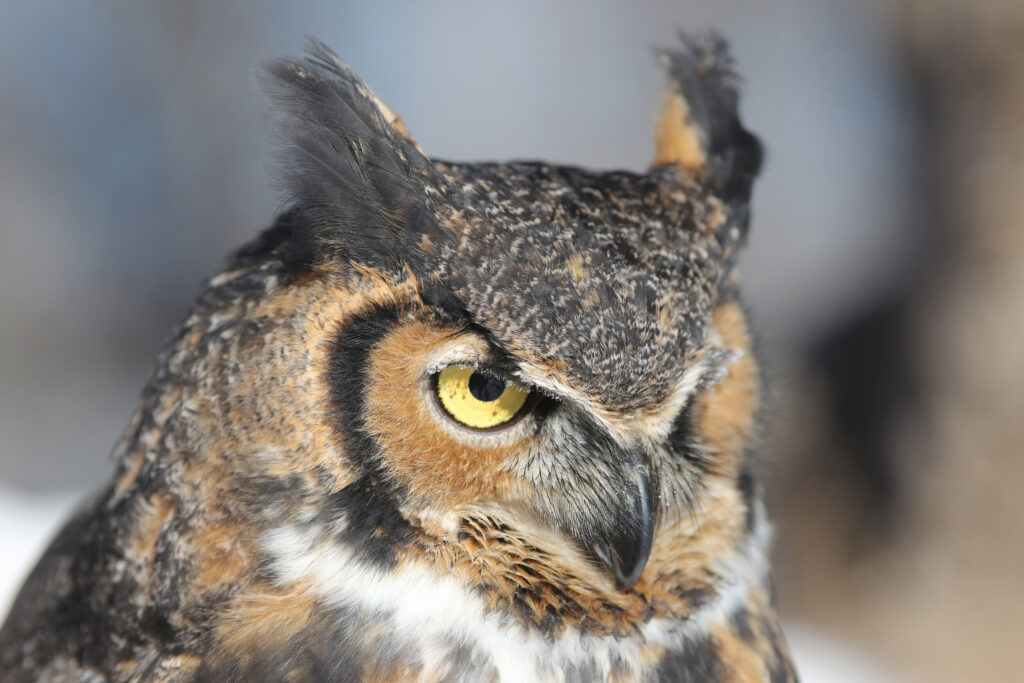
(134, 155)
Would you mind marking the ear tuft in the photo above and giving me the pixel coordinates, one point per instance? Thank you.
(348, 164)
(699, 128)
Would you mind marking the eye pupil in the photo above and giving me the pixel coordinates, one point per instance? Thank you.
(484, 387)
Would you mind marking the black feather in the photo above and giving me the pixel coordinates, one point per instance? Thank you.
(359, 183)
(289, 238)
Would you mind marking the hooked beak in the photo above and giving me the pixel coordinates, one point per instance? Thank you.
(625, 544)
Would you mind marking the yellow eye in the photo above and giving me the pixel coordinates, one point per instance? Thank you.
(477, 399)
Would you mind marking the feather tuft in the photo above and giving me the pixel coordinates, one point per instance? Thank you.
(348, 165)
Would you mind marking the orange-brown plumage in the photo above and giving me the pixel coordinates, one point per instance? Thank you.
(293, 500)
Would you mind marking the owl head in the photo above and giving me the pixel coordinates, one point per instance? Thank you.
(442, 421)
(534, 378)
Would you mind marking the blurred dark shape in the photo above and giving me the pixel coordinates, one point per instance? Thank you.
(925, 392)
(872, 384)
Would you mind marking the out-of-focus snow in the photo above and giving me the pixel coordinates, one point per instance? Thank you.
(27, 525)
(821, 658)
(29, 522)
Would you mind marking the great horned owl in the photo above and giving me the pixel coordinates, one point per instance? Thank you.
(442, 421)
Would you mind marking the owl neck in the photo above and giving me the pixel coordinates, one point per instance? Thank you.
(487, 601)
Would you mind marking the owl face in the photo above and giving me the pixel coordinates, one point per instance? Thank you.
(458, 427)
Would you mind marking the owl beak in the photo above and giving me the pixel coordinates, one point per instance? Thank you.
(625, 547)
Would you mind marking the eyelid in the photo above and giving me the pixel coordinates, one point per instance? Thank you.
(482, 366)
(456, 358)
(483, 362)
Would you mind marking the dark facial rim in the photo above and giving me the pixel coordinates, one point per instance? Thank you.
(376, 524)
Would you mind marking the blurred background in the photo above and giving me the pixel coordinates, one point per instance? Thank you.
(885, 272)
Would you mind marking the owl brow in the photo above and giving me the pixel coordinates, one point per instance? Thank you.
(442, 300)
(446, 305)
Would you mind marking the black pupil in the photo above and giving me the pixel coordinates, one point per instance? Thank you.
(484, 387)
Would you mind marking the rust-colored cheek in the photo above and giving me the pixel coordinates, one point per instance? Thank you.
(728, 412)
(437, 468)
